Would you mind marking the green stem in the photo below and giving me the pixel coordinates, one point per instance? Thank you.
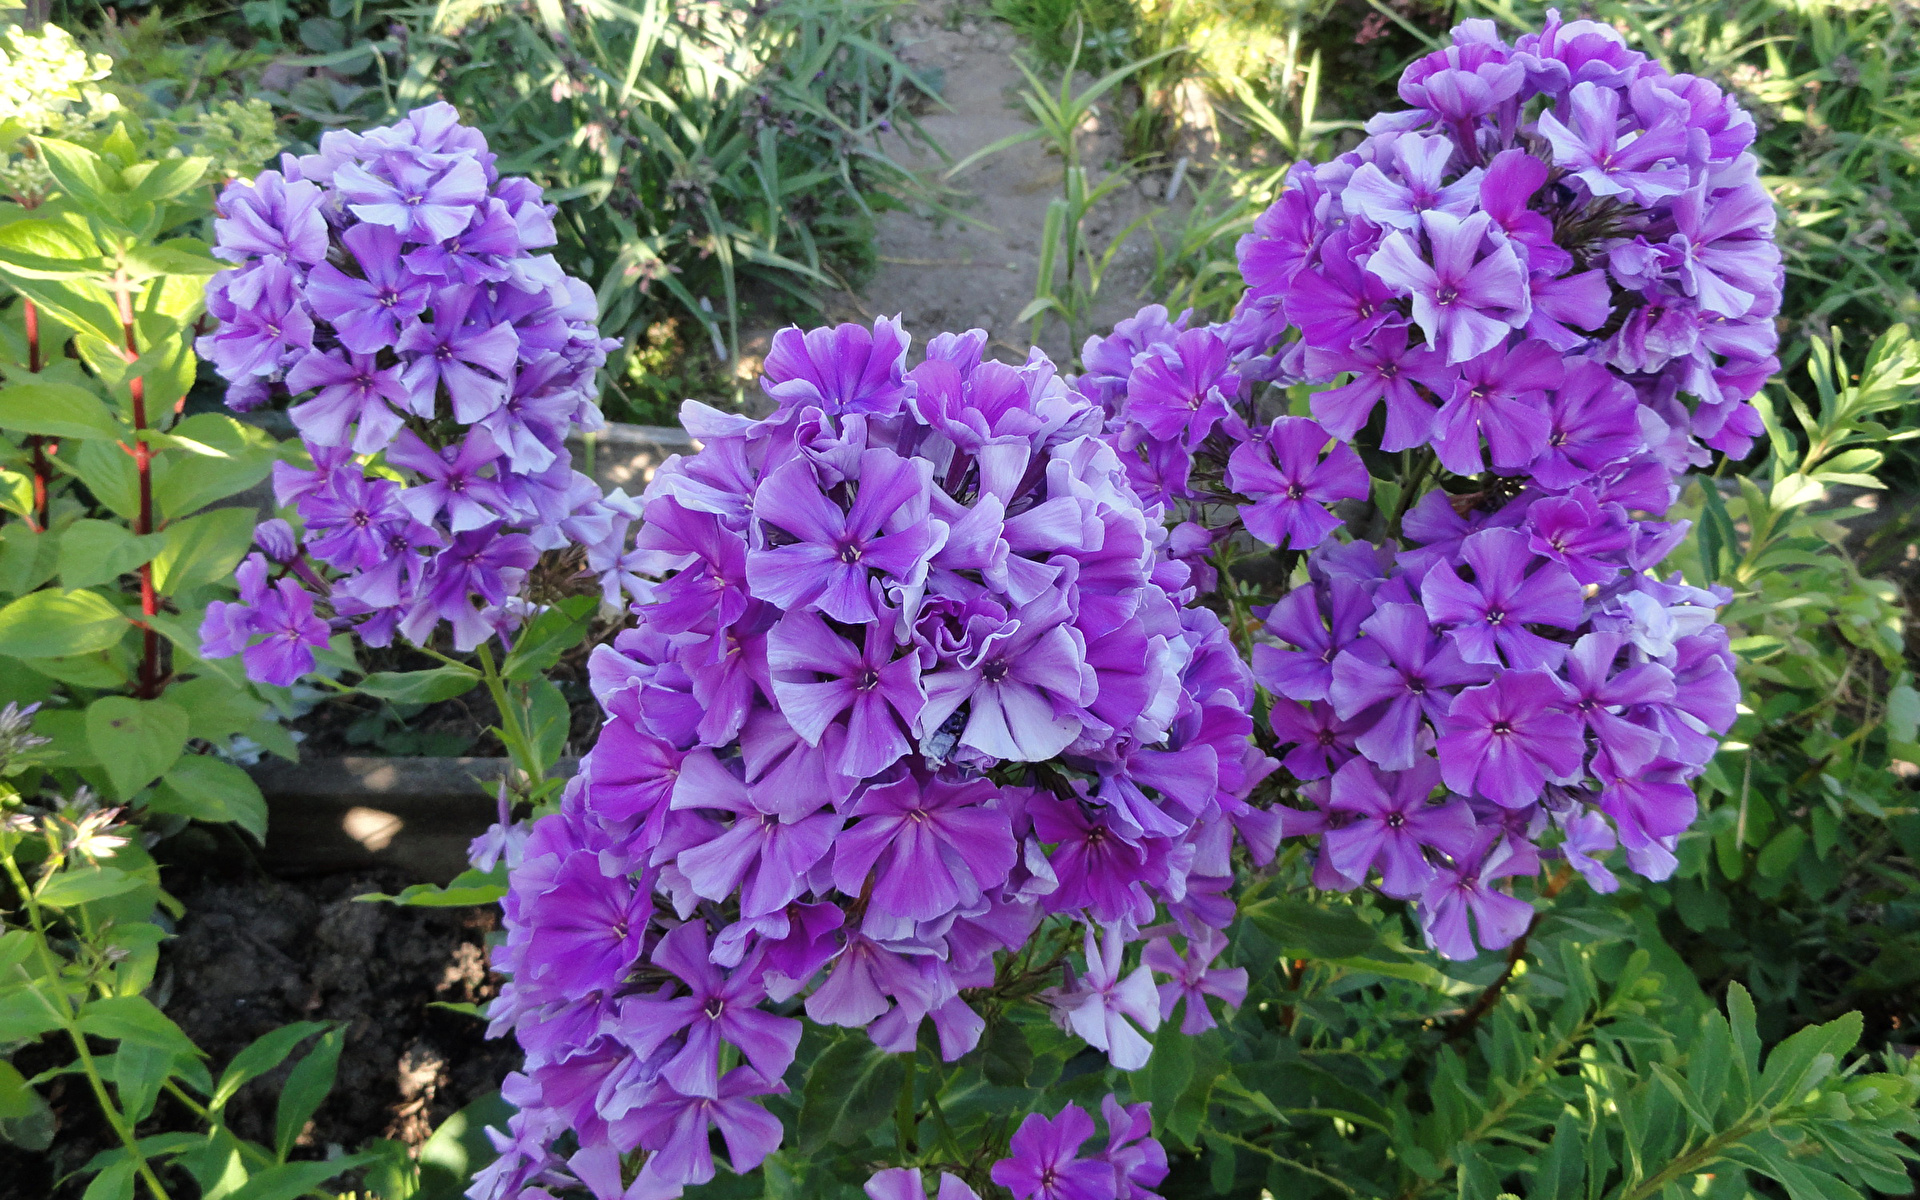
(909, 1109)
(61, 1010)
(1410, 490)
(511, 733)
(1295, 1163)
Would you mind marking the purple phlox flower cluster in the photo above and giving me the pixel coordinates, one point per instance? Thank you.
(913, 672)
(1503, 675)
(1553, 280)
(1046, 1162)
(1547, 207)
(388, 285)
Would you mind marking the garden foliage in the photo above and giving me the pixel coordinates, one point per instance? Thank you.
(1382, 743)
(695, 151)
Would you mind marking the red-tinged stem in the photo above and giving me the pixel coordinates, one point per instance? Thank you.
(150, 680)
(37, 445)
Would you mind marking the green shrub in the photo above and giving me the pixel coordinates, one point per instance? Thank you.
(699, 154)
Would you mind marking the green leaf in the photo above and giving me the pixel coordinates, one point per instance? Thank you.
(544, 639)
(83, 885)
(203, 549)
(81, 173)
(548, 719)
(135, 740)
(261, 1055)
(1169, 1073)
(113, 1183)
(58, 410)
(208, 789)
(1005, 1057)
(1781, 851)
(24, 1016)
(1310, 931)
(849, 1092)
(216, 709)
(420, 687)
(289, 1180)
(48, 248)
(138, 1072)
(27, 559)
(460, 1147)
(135, 1019)
(16, 1098)
(145, 262)
(163, 179)
(1903, 713)
(184, 483)
(306, 1088)
(1560, 1170)
(96, 552)
(56, 624)
(468, 889)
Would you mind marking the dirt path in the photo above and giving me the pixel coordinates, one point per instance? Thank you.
(945, 274)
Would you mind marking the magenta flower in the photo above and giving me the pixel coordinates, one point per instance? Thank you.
(1322, 740)
(1501, 395)
(1291, 486)
(592, 925)
(473, 362)
(1180, 392)
(845, 368)
(903, 1183)
(828, 563)
(421, 203)
(1022, 694)
(270, 216)
(1043, 1165)
(1139, 1162)
(1592, 420)
(1601, 694)
(1386, 368)
(1395, 681)
(1103, 1006)
(932, 847)
(818, 675)
(1462, 905)
(717, 1007)
(1609, 165)
(675, 1127)
(1193, 978)
(455, 484)
(765, 854)
(1387, 822)
(368, 313)
(1508, 739)
(354, 405)
(1512, 588)
(1469, 295)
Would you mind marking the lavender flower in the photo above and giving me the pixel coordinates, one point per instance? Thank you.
(465, 377)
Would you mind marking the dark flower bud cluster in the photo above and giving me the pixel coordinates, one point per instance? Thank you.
(389, 284)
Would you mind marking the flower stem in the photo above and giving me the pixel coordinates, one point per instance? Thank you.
(909, 1109)
(150, 680)
(61, 1011)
